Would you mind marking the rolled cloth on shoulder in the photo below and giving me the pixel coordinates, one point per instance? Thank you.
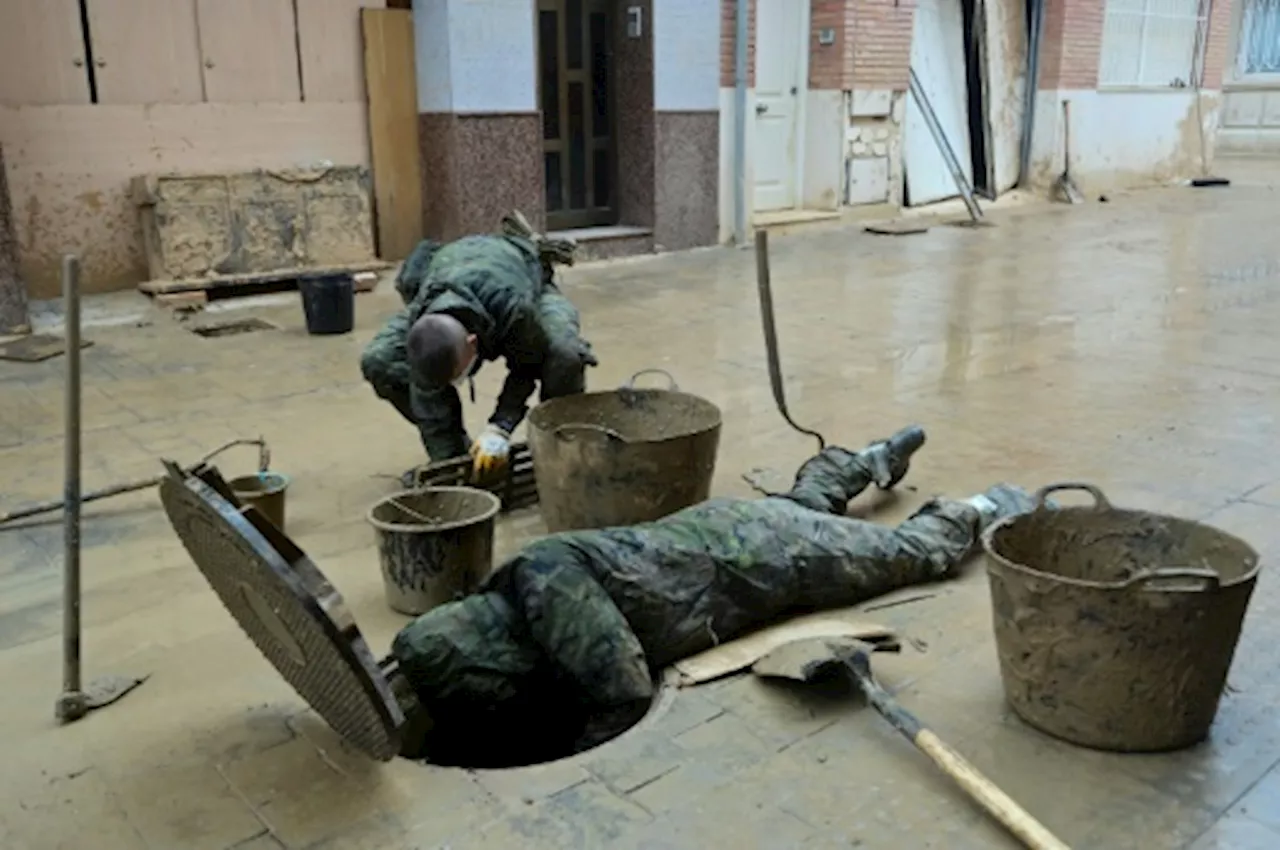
(552, 251)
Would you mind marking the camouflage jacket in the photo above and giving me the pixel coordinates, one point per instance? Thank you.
(492, 285)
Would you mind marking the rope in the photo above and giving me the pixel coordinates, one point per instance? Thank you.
(551, 251)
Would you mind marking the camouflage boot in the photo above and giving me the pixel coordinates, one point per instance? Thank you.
(889, 459)
(1001, 501)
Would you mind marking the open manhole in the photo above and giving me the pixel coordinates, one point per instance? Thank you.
(519, 711)
(233, 327)
(544, 724)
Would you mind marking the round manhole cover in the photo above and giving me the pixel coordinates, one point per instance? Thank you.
(290, 610)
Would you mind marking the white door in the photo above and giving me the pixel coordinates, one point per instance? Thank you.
(781, 60)
(937, 57)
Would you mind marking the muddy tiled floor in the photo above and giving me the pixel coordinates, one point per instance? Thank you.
(1132, 344)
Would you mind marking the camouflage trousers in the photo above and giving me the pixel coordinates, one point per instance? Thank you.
(595, 613)
(385, 366)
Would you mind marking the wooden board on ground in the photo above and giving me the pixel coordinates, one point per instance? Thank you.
(899, 227)
(272, 278)
(391, 83)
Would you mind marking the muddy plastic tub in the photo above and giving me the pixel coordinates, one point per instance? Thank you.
(264, 491)
(1115, 628)
(617, 458)
(435, 545)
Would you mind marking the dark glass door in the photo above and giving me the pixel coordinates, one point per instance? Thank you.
(575, 89)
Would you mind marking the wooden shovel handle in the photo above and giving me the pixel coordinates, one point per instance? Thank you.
(980, 789)
(984, 792)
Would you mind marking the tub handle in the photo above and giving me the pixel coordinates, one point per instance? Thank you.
(1175, 580)
(671, 382)
(571, 430)
(1100, 502)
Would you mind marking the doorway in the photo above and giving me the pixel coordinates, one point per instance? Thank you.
(970, 57)
(938, 60)
(576, 96)
(782, 70)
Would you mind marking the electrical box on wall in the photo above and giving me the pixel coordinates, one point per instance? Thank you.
(635, 21)
(827, 36)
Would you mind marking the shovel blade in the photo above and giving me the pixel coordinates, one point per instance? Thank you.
(811, 659)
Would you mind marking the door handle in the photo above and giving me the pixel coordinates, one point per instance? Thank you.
(762, 108)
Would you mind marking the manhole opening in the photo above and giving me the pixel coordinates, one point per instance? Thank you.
(231, 328)
(525, 731)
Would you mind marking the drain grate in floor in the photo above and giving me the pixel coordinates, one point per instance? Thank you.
(231, 328)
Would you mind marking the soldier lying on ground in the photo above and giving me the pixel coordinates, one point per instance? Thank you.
(560, 648)
(478, 299)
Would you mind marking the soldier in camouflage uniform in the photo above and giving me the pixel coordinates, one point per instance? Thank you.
(560, 647)
(501, 289)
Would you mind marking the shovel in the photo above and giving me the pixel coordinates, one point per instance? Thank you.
(810, 658)
(1066, 189)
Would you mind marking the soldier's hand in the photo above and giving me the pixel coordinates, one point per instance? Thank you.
(490, 451)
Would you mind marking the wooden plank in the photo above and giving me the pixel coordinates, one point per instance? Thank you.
(195, 284)
(249, 50)
(391, 80)
(42, 53)
(162, 66)
(329, 45)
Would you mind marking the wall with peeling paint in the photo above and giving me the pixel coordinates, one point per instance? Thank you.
(69, 168)
(1121, 139)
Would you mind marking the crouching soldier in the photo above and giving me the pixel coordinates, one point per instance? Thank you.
(480, 298)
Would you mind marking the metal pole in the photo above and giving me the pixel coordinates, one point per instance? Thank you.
(76, 701)
(944, 146)
(740, 75)
(1035, 26)
(71, 485)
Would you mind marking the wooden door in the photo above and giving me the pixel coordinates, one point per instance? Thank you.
(249, 50)
(162, 66)
(391, 81)
(782, 42)
(330, 45)
(42, 53)
(575, 88)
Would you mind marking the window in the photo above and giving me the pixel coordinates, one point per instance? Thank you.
(1151, 43)
(1259, 51)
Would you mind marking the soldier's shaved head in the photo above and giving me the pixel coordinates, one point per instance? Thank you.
(438, 349)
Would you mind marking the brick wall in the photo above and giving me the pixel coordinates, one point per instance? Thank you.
(872, 48)
(1217, 53)
(829, 64)
(879, 35)
(728, 29)
(1071, 45)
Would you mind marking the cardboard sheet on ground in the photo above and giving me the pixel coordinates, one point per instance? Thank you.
(853, 622)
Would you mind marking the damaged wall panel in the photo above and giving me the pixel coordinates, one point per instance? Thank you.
(13, 295)
(70, 168)
(1005, 76)
(260, 221)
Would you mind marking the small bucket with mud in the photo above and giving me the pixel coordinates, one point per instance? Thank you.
(623, 457)
(264, 491)
(1116, 628)
(435, 545)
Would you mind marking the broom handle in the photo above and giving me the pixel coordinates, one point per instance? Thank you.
(980, 789)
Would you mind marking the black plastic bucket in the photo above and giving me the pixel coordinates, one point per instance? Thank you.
(329, 302)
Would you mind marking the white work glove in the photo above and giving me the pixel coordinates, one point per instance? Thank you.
(490, 451)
